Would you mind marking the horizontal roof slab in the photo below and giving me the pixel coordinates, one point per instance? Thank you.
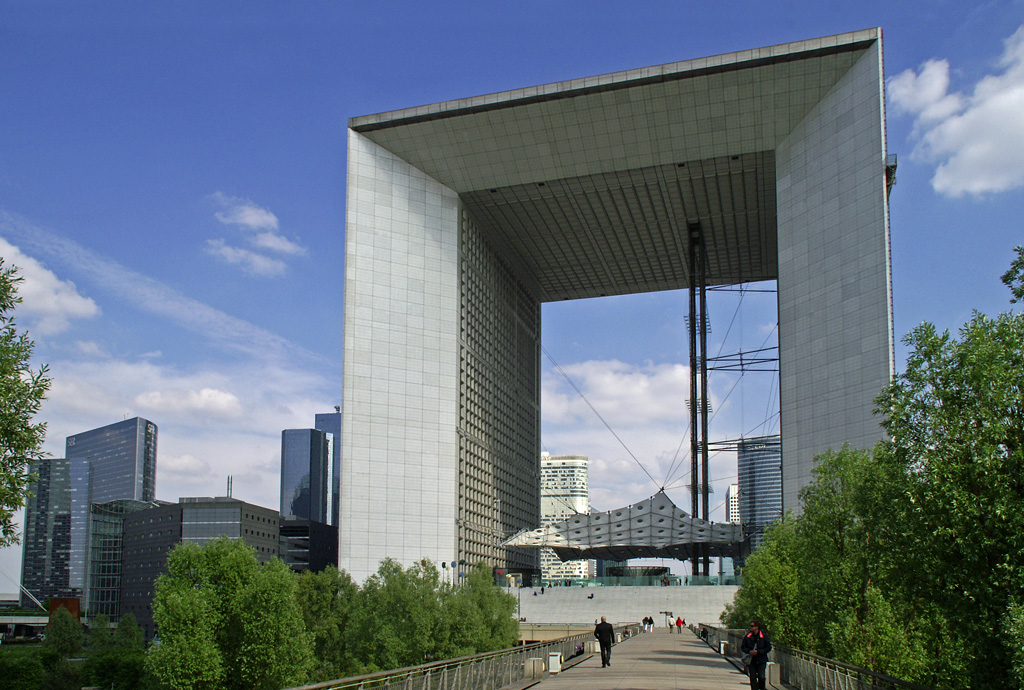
(586, 186)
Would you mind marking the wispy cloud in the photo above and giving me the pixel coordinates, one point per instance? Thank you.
(976, 139)
(251, 262)
(237, 211)
(48, 303)
(154, 297)
(263, 236)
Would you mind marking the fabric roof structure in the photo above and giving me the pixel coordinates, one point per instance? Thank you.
(654, 528)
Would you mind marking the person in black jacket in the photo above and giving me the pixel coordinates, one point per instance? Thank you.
(605, 635)
(756, 644)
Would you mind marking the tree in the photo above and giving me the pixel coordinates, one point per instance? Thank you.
(1014, 277)
(226, 621)
(328, 600)
(116, 661)
(956, 423)
(21, 393)
(397, 621)
(64, 635)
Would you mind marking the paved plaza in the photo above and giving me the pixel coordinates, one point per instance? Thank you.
(653, 661)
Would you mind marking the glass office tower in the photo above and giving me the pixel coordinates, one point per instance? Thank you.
(759, 463)
(47, 533)
(114, 462)
(306, 475)
(331, 424)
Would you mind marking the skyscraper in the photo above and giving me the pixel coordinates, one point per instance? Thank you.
(306, 476)
(732, 504)
(564, 492)
(117, 461)
(759, 463)
(308, 540)
(330, 422)
(47, 534)
(111, 463)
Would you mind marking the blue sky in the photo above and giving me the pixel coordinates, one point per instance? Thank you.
(172, 184)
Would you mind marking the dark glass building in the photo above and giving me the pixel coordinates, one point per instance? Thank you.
(330, 423)
(149, 536)
(114, 462)
(46, 538)
(759, 462)
(306, 476)
(106, 541)
(308, 545)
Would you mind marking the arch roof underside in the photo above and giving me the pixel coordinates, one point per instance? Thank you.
(587, 187)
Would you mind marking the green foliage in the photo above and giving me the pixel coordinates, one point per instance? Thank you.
(21, 393)
(22, 671)
(116, 661)
(1013, 632)
(100, 637)
(128, 634)
(909, 559)
(770, 591)
(64, 635)
(397, 621)
(327, 600)
(956, 420)
(226, 621)
(1014, 278)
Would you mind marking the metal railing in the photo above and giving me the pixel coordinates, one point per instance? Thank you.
(806, 671)
(487, 671)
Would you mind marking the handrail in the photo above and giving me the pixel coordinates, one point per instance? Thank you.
(484, 671)
(807, 671)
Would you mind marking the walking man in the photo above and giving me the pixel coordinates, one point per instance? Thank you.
(757, 645)
(605, 635)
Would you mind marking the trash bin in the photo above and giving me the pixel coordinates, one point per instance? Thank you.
(618, 638)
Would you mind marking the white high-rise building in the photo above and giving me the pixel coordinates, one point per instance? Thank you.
(732, 504)
(564, 492)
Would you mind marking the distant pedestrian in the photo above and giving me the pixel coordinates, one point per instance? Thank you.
(755, 647)
(605, 635)
(679, 625)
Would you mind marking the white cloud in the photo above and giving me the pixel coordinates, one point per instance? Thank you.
(243, 212)
(277, 243)
(262, 226)
(629, 393)
(976, 140)
(208, 401)
(155, 298)
(251, 262)
(184, 470)
(48, 303)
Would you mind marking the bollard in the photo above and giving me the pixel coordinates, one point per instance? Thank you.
(534, 668)
(721, 648)
(771, 674)
(554, 662)
(592, 647)
(618, 638)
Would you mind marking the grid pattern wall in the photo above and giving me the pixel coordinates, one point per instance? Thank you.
(564, 492)
(499, 414)
(149, 535)
(399, 441)
(759, 465)
(47, 535)
(106, 556)
(835, 332)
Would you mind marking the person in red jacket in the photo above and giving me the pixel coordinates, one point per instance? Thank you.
(679, 625)
(756, 644)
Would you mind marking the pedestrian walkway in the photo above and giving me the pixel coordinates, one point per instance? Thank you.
(657, 660)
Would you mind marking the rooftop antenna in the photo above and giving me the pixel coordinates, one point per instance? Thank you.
(229, 486)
